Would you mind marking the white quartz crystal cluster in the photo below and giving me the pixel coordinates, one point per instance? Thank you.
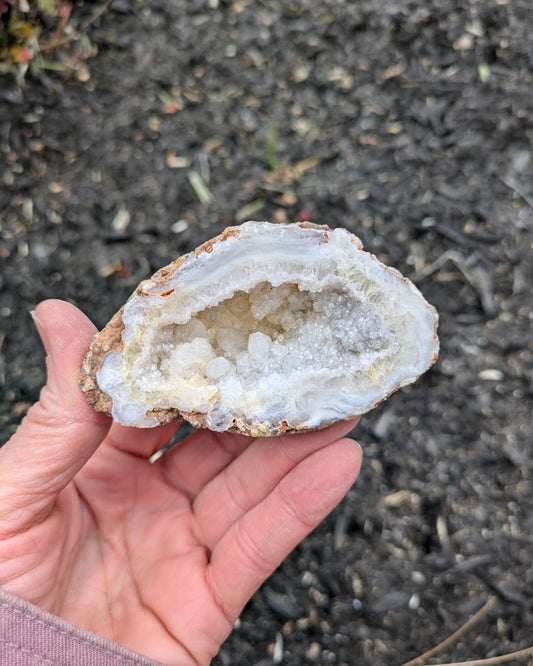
(268, 328)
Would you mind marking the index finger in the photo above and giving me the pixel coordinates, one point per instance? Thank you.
(253, 475)
(257, 543)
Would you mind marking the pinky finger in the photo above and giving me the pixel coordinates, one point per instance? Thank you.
(255, 545)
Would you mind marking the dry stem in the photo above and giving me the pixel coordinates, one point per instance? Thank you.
(417, 661)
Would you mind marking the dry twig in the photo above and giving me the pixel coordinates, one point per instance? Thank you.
(418, 661)
(494, 661)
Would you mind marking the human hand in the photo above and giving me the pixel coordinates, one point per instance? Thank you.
(161, 557)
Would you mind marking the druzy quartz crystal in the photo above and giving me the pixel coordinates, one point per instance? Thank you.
(265, 329)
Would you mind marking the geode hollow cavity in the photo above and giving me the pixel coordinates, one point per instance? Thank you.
(265, 329)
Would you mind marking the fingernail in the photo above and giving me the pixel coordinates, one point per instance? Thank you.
(41, 328)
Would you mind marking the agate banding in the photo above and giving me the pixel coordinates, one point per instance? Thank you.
(265, 329)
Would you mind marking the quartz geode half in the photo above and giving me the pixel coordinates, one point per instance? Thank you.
(265, 329)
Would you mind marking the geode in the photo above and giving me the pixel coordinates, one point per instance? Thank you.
(265, 329)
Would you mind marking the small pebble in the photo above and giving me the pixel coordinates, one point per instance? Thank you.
(491, 375)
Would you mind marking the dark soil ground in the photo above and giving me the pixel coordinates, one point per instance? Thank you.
(409, 123)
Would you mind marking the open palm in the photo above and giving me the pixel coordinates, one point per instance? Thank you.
(159, 557)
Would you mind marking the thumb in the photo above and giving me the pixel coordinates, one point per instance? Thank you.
(60, 432)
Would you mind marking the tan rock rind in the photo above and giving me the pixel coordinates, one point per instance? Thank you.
(171, 289)
(107, 340)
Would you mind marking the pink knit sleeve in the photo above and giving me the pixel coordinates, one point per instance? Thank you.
(30, 636)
